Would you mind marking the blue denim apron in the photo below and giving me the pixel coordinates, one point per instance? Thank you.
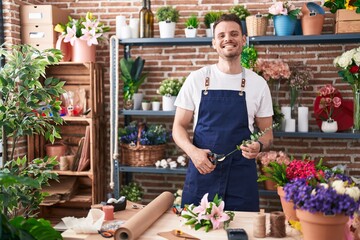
(223, 124)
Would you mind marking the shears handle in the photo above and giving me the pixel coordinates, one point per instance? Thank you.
(212, 158)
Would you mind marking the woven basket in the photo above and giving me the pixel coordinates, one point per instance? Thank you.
(141, 155)
(256, 25)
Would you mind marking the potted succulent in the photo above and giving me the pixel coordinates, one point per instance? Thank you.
(145, 105)
(209, 20)
(169, 89)
(242, 13)
(155, 104)
(29, 106)
(167, 17)
(191, 24)
(131, 74)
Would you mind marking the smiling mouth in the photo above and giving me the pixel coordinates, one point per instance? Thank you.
(231, 46)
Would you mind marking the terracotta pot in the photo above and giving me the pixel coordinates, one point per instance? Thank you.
(312, 24)
(320, 227)
(81, 52)
(288, 207)
(56, 150)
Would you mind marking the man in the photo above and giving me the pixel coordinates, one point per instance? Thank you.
(225, 101)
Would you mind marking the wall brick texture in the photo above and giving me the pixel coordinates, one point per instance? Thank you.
(178, 61)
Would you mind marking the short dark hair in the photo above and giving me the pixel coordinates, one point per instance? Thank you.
(228, 18)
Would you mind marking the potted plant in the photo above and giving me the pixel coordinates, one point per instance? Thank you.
(83, 35)
(132, 76)
(133, 192)
(169, 89)
(167, 18)
(285, 16)
(209, 19)
(29, 106)
(145, 104)
(155, 104)
(324, 205)
(191, 24)
(242, 13)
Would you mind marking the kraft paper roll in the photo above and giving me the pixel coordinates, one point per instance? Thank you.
(141, 221)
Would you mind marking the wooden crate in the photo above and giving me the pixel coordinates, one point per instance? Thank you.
(91, 187)
(347, 21)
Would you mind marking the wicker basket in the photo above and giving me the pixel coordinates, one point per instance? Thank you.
(256, 25)
(141, 155)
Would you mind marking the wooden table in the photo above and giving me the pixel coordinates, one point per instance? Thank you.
(169, 221)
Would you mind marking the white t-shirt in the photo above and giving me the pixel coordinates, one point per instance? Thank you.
(258, 97)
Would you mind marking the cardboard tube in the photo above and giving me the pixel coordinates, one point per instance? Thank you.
(141, 221)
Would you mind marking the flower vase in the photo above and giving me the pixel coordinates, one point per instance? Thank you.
(81, 52)
(275, 88)
(321, 227)
(329, 126)
(168, 103)
(284, 25)
(356, 127)
(288, 207)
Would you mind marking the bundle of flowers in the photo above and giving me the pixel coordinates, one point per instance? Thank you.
(210, 215)
(272, 70)
(330, 99)
(264, 158)
(283, 8)
(298, 80)
(337, 195)
(89, 29)
(282, 173)
(152, 134)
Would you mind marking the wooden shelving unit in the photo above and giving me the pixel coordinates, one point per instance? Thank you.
(90, 183)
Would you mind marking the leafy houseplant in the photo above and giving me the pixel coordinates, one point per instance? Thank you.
(211, 17)
(192, 22)
(132, 76)
(133, 192)
(242, 13)
(29, 106)
(170, 87)
(167, 17)
(249, 55)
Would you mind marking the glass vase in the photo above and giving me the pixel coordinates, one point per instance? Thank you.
(356, 126)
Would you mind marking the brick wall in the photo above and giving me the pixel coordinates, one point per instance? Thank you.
(178, 61)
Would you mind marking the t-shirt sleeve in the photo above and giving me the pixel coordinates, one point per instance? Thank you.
(266, 106)
(185, 98)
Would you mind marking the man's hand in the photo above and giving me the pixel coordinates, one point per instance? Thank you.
(201, 161)
(250, 151)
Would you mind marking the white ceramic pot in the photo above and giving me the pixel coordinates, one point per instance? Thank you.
(190, 32)
(329, 126)
(145, 106)
(208, 32)
(155, 106)
(138, 97)
(167, 29)
(168, 103)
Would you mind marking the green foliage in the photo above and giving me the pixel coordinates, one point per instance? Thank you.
(20, 228)
(256, 135)
(29, 106)
(278, 115)
(192, 22)
(211, 17)
(21, 184)
(240, 11)
(167, 13)
(276, 173)
(171, 87)
(334, 5)
(133, 192)
(249, 56)
(131, 74)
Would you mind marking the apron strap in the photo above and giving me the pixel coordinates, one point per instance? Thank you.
(207, 81)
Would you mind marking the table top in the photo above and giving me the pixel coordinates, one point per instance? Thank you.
(170, 221)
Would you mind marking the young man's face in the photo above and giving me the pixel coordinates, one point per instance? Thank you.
(228, 40)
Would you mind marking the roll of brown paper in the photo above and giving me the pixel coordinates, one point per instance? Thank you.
(141, 221)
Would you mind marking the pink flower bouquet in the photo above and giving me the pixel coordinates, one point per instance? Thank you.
(210, 215)
(272, 70)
